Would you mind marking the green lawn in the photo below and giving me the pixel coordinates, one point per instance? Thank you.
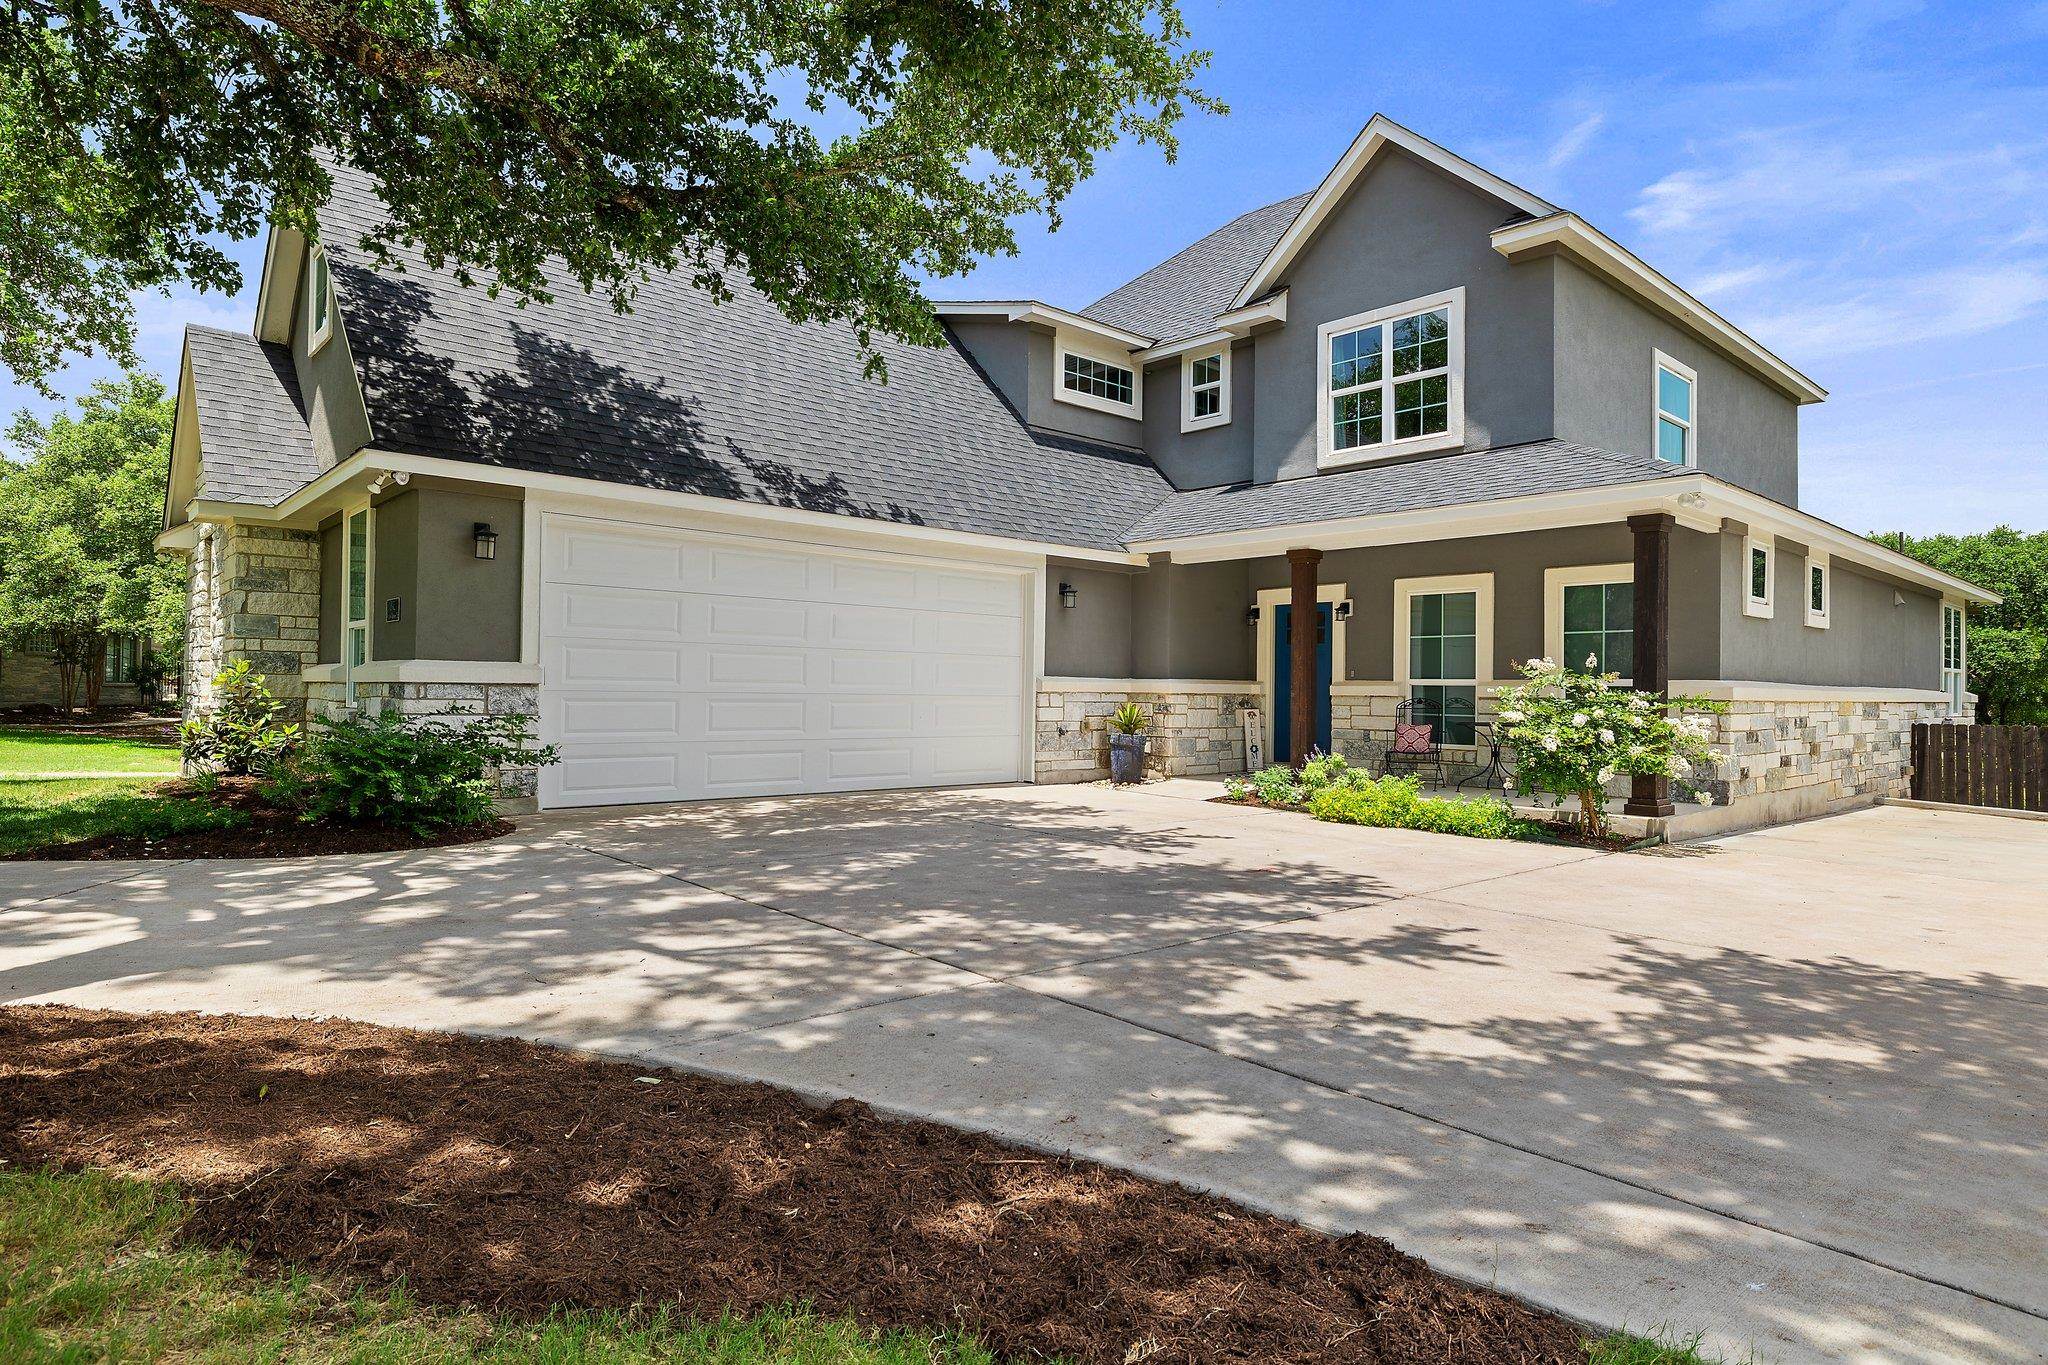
(91, 1270)
(50, 811)
(25, 750)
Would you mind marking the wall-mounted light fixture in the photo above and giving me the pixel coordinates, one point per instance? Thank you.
(486, 541)
(1069, 594)
(1344, 610)
(1251, 617)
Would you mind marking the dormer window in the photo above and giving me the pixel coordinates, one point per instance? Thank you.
(1677, 439)
(321, 304)
(1205, 390)
(1393, 380)
(1092, 378)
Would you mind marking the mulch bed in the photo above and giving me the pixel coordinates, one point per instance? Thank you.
(1551, 831)
(508, 1175)
(268, 833)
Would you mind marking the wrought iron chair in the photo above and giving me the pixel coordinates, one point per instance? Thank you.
(1417, 744)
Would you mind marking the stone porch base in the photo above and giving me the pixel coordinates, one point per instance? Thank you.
(1197, 728)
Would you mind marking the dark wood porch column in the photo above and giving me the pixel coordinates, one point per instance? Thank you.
(1301, 649)
(1652, 530)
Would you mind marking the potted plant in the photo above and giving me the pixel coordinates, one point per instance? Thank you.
(1127, 743)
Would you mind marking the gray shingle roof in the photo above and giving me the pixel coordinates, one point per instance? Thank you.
(1436, 481)
(1181, 295)
(728, 400)
(254, 442)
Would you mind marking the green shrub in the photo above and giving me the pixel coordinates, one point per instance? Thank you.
(417, 774)
(1397, 803)
(1276, 786)
(244, 733)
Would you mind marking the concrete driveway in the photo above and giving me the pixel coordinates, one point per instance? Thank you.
(1789, 1087)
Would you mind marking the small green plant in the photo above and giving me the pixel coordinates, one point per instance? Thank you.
(245, 732)
(1398, 803)
(1575, 732)
(1276, 786)
(420, 774)
(1129, 719)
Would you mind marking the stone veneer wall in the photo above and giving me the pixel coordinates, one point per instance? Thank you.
(1822, 753)
(252, 592)
(31, 679)
(1774, 759)
(516, 786)
(1197, 729)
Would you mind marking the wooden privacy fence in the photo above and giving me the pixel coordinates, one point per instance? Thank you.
(1982, 765)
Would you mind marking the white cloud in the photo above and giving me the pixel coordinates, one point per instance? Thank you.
(1574, 141)
(1908, 311)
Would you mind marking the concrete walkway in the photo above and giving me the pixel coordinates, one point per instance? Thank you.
(1790, 1087)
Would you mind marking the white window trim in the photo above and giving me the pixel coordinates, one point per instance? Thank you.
(1453, 435)
(1660, 362)
(1072, 343)
(1219, 418)
(1958, 695)
(1555, 581)
(369, 625)
(1819, 620)
(1481, 586)
(1269, 601)
(324, 331)
(1766, 608)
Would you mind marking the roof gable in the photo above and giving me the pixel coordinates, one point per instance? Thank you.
(1377, 136)
(1183, 295)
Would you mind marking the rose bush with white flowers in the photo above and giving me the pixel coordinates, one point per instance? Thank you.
(1574, 732)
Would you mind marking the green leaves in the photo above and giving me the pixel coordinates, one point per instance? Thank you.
(419, 774)
(2007, 644)
(831, 152)
(245, 732)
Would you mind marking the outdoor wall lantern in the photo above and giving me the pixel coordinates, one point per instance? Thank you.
(1069, 595)
(486, 541)
(1251, 618)
(1344, 610)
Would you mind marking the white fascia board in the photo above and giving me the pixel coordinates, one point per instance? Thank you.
(1540, 511)
(308, 505)
(1568, 232)
(1228, 327)
(1377, 134)
(1030, 310)
(284, 249)
(181, 538)
(1776, 520)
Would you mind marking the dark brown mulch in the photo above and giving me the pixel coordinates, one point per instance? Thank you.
(267, 833)
(509, 1175)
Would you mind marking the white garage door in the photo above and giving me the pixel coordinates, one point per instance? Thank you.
(679, 665)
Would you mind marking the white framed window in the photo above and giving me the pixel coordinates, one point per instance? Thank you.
(1443, 649)
(1205, 390)
(320, 301)
(1392, 381)
(1675, 435)
(1589, 611)
(1954, 658)
(1759, 574)
(1820, 591)
(358, 582)
(1091, 377)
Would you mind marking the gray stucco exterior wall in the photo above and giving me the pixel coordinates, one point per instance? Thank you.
(1748, 432)
(1189, 621)
(1215, 455)
(1408, 230)
(1872, 639)
(1092, 638)
(339, 423)
(463, 607)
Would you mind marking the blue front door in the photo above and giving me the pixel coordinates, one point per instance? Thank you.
(1283, 682)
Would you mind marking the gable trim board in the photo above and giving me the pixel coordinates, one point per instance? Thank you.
(1030, 310)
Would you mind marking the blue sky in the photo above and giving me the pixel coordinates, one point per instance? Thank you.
(1862, 186)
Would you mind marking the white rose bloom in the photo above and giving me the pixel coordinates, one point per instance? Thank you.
(1511, 717)
(1550, 743)
(1607, 736)
(1705, 798)
(1579, 720)
(1604, 776)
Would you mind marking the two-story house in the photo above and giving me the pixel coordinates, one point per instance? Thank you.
(1363, 448)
